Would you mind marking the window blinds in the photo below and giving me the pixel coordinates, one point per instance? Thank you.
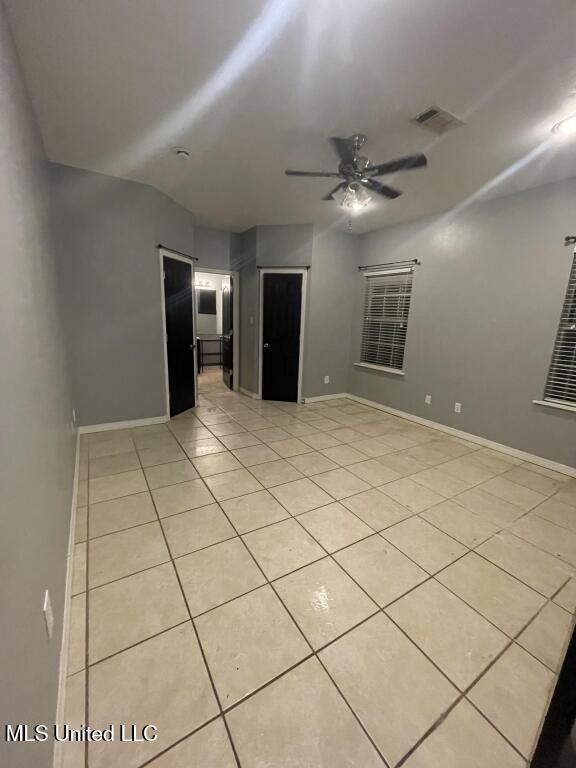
(385, 321)
(561, 383)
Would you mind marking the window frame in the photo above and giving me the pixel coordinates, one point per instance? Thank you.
(566, 325)
(402, 310)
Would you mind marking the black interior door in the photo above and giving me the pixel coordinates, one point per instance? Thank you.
(228, 334)
(179, 334)
(282, 303)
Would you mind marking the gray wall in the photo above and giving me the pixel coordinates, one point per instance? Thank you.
(212, 248)
(485, 309)
(37, 445)
(284, 245)
(243, 260)
(107, 232)
(331, 289)
(332, 257)
(267, 246)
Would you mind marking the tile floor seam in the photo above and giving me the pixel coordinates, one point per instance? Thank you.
(213, 719)
(379, 533)
(313, 652)
(431, 576)
(380, 610)
(121, 530)
(128, 575)
(512, 638)
(504, 632)
(474, 549)
(93, 664)
(462, 693)
(546, 520)
(196, 633)
(540, 549)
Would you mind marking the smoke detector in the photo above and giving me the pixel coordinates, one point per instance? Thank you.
(437, 120)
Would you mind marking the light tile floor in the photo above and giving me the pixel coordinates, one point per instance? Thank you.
(315, 585)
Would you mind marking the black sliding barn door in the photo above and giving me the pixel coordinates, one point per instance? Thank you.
(281, 308)
(180, 341)
(228, 334)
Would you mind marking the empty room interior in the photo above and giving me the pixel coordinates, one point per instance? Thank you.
(288, 378)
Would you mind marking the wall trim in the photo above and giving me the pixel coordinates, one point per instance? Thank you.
(539, 460)
(248, 393)
(63, 666)
(320, 398)
(123, 424)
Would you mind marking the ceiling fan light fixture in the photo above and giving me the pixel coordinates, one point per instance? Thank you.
(566, 129)
(355, 198)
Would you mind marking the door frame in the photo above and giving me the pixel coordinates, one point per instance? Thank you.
(235, 319)
(166, 253)
(282, 271)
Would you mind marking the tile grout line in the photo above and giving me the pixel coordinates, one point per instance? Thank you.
(453, 498)
(313, 652)
(179, 741)
(413, 514)
(330, 555)
(432, 576)
(511, 641)
(195, 629)
(381, 610)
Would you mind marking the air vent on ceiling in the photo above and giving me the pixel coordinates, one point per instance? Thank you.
(437, 120)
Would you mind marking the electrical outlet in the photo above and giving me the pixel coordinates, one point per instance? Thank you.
(48, 614)
(326, 379)
(428, 399)
(457, 407)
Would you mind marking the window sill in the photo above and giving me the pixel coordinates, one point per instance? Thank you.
(552, 404)
(380, 368)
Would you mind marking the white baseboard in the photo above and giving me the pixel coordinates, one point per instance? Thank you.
(247, 392)
(319, 398)
(63, 666)
(123, 424)
(539, 460)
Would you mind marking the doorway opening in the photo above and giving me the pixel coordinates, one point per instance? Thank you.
(216, 319)
(200, 310)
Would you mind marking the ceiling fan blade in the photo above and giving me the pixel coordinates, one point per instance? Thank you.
(315, 174)
(407, 163)
(346, 149)
(382, 189)
(330, 195)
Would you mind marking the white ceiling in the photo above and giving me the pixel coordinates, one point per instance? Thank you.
(252, 87)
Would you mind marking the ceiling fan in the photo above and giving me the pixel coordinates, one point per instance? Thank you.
(359, 174)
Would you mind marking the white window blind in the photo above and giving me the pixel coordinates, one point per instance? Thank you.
(561, 383)
(385, 322)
